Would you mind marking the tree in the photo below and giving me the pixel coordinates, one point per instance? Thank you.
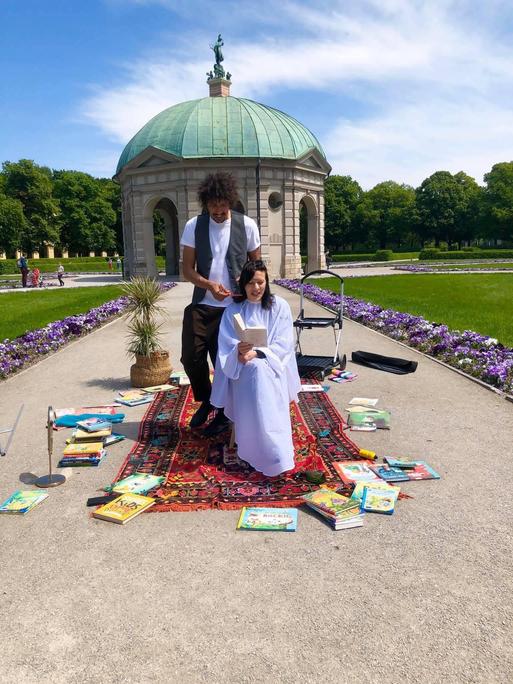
(387, 213)
(32, 186)
(12, 223)
(498, 202)
(445, 204)
(88, 218)
(342, 195)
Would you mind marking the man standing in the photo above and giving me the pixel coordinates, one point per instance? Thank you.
(216, 245)
(23, 266)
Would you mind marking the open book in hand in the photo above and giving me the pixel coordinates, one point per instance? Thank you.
(256, 335)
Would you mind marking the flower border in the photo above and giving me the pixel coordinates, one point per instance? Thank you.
(478, 356)
(22, 351)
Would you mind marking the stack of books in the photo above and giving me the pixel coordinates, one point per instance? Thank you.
(340, 511)
(82, 454)
(341, 376)
(134, 398)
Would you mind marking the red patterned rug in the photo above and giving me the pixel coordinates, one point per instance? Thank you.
(202, 473)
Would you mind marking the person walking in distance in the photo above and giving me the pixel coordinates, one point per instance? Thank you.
(22, 264)
(216, 245)
(60, 275)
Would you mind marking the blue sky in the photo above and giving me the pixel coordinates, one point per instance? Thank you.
(394, 90)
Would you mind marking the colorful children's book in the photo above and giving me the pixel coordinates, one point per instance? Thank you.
(361, 422)
(138, 483)
(360, 487)
(331, 503)
(113, 438)
(355, 471)
(131, 395)
(400, 463)
(94, 425)
(179, 378)
(84, 448)
(422, 471)
(379, 417)
(79, 435)
(277, 519)
(124, 508)
(378, 501)
(147, 399)
(389, 474)
(158, 388)
(23, 501)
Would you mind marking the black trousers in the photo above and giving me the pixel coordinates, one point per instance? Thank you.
(199, 341)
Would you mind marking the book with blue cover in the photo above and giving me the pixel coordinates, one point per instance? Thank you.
(94, 424)
(390, 474)
(378, 500)
(275, 519)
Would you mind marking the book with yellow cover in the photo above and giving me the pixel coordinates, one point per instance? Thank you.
(124, 508)
(96, 436)
(74, 449)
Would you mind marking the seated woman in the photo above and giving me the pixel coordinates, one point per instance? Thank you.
(256, 385)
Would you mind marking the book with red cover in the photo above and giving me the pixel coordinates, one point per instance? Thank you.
(355, 471)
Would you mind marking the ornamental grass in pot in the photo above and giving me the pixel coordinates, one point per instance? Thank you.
(152, 366)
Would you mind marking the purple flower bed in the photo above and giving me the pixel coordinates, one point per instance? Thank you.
(477, 355)
(440, 269)
(15, 354)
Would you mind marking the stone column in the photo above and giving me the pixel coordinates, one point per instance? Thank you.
(65, 254)
(92, 254)
(35, 254)
(50, 251)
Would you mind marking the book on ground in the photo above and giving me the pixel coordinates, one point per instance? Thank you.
(85, 448)
(340, 511)
(312, 388)
(179, 378)
(132, 395)
(113, 438)
(378, 500)
(158, 388)
(360, 487)
(277, 519)
(138, 483)
(368, 417)
(355, 471)
(255, 335)
(389, 474)
(23, 501)
(363, 401)
(399, 463)
(94, 424)
(422, 471)
(79, 435)
(124, 508)
(146, 399)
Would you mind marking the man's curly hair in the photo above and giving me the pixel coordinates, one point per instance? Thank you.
(218, 187)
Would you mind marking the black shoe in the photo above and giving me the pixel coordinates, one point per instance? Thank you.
(201, 415)
(218, 425)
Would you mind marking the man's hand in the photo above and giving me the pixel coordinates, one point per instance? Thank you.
(219, 292)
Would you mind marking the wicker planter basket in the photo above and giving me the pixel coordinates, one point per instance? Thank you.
(150, 370)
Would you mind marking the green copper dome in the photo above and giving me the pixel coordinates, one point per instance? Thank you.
(222, 127)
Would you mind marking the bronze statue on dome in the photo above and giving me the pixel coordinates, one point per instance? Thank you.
(218, 53)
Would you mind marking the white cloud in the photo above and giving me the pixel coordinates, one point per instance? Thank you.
(437, 78)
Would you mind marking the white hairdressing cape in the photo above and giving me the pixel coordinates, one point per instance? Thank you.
(256, 395)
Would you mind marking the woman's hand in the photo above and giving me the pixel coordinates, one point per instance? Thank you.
(244, 347)
(248, 356)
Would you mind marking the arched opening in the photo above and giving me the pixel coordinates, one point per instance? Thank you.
(309, 234)
(165, 235)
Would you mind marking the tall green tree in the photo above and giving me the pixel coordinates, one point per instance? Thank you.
(387, 214)
(498, 203)
(342, 195)
(12, 223)
(88, 218)
(445, 204)
(32, 186)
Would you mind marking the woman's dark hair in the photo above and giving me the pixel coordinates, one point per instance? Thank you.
(248, 271)
(218, 187)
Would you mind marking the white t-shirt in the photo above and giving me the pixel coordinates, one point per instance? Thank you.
(219, 234)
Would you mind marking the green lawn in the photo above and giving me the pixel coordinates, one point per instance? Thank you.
(24, 311)
(479, 302)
